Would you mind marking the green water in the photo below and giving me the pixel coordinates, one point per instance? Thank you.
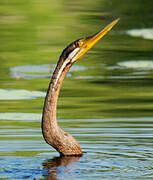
(106, 101)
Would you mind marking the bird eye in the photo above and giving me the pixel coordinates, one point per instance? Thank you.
(79, 43)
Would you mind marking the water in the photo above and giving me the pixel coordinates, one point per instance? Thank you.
(113, 148)
(106, 99)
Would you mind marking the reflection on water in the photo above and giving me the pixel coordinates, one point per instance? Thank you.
(143, 33)
(21, 116)
(39, 71)
(106, 103)
(138, 64)
(59, 165)
(110, 77)
(19, 94)
(115, 147)
(144, 65)
(133, 69)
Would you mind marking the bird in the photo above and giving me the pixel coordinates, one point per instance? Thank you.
(62, 141)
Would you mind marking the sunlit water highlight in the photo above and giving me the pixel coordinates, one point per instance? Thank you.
(137, 64)
(39, 71)
(145, 65)
(45, 70)
(146, 33)
(21, 116)
(19, 94)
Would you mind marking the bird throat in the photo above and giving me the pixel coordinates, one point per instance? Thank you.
(70, 59)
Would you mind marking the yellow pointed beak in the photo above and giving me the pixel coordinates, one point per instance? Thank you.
(92, 40)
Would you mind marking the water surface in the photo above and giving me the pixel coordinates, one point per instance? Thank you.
(116, 147)
(106, 101)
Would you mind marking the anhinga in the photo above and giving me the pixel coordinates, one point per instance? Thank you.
(63, 142)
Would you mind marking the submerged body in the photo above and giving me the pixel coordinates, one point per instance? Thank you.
(63, 142)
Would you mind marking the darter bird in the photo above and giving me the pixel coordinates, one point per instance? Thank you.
(63, 142)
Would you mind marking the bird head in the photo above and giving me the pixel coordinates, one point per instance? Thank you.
(79, 47)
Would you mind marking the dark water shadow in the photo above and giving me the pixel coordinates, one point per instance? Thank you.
(52, 166)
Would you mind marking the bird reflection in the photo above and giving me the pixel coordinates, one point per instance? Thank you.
(52, 165)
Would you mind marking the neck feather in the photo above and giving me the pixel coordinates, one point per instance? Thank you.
(63, 142)
(49, 112)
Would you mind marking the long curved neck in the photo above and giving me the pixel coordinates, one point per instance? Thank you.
(49, 111)
(63, 142)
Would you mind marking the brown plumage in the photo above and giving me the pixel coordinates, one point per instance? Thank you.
(63, 142)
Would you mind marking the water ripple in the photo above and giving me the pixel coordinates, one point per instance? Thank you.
(113, 147)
